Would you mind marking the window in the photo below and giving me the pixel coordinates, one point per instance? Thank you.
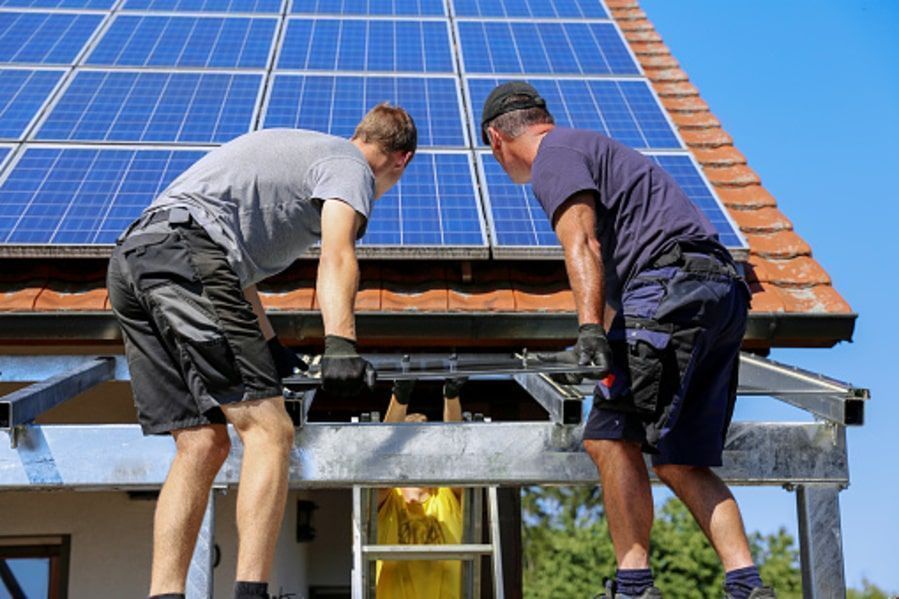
(34, 567)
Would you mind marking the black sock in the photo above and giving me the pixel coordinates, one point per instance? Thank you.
(167, 596)
(250, 590)
(739, 583)
(633, 582)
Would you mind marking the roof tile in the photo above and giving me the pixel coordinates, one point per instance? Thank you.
(695, 120)
(424, 290)
(666, 74)
(738, 175)
(674, 104)
(746, 198)
(543, 287)
(761, 220)
(649, 48)
(657, 61)
(778, 245)
(821, 299)
(293, 289)
(797, 272)
(621, 4)
(767, 298)
(706, 138)
(628, 24)
(489, 289)
(720, 156)
(679, 89)
(649, 35)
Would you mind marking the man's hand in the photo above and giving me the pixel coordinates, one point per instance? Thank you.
(592, 349)
(287, 363)
(402, 391)
(453, 387)
(344, 371)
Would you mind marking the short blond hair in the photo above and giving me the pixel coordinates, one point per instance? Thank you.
(390, 128)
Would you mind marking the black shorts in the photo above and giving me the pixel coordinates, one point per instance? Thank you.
(192, 339)
(675, 365)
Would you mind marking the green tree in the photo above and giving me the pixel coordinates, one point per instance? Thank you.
(869, 591)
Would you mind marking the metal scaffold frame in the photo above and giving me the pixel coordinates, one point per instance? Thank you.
(809, 457)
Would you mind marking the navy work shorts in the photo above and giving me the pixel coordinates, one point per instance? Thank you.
(192, 339)
(675, 362)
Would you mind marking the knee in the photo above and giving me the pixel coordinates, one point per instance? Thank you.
(206, 445)
(273, 429)
(603, 451)
(673, 474)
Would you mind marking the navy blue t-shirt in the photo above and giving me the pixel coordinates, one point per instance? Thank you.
(640, 210)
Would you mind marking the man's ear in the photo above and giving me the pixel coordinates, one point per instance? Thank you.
(402, 160)
(495, 137)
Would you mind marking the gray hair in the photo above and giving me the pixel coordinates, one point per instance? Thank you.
(514, 123)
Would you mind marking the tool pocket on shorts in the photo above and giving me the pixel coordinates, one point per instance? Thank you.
(647, 348)
(157, 259)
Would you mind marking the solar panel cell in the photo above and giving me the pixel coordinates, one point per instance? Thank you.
(624, 110)
(153, 107)
(335, 104)
(588, 9)
(544, 48)
(68, 4)
(370, 7)
(44, 38)
(83, 196)
(248, 6)
(433, 205)
(359, 45)
(22, 94)
(226, 42)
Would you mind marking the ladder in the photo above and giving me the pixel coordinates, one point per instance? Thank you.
(366, 552)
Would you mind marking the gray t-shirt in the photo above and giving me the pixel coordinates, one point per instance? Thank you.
(259, 195)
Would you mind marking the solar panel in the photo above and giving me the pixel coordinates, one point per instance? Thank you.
(82, 195)
(250, 6)
(433, 205)
(44, 38)
(384, 45)
(22, 94)
(335, 104)
(146, 41)
(585, 9)
(67, 4)
(4, 154)
(688, 176)
(625, 110)
(519, 226)
(153, 107)
(549, 48)
(370, 7)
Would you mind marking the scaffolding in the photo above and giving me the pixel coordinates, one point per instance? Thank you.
(809, 458)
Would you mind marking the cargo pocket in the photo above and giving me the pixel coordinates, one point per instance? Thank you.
(158, 259)
(647, 349)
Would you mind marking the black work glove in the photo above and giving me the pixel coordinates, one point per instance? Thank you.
(402, 391)
(453, 387)
(287, 363)
(592, 349)
(344, 371)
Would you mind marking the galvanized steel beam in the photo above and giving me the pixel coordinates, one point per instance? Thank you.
(563, 404)
(407, 454)
(820, 541)
(199, 575)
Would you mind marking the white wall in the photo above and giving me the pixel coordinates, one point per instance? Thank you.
(111, 540)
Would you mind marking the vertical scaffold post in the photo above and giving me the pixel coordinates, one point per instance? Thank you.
(820, 541)
(199, 576)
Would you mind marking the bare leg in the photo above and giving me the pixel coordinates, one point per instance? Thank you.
(714, 508)
(201, 451)
(267, 434)
(627, 497)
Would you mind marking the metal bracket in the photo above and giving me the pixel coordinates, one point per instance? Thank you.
(564, 404)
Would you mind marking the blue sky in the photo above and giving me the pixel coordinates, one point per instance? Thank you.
(809, 90)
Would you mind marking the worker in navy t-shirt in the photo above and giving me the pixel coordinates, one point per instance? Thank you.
(661, 308)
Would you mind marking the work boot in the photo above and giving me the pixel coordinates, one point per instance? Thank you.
(759, 593)
(650, 593)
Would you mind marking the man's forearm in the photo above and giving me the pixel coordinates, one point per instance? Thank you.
(265, 324)
(338, 280)
(585, 273)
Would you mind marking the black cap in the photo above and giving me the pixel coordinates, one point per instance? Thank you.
(514, 95)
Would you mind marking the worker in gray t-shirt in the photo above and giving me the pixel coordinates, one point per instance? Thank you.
(201, 351)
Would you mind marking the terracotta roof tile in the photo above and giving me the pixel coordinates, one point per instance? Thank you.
(738, 175)
(649, 48)
(706, 138)
(821, 299)
(695, 120)
(720, 156)
(488, 289)
(615, 5)
(778, 245)
(797, 273)
(677, 89)
(629, 24)
(657, 61)
(683, 103)
(291, 290)
(419, 291)
(746, 198)
(767, 298)
(761, 220)
(642, 35)
(543, 287)
(667, 75)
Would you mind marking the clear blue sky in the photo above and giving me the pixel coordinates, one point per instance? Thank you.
(809, 90)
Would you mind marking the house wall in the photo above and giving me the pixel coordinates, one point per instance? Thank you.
(111, 540)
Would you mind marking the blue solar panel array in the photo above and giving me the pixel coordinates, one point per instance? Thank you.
(435, 204)
(367, 45)
(395, 8)
(153, 107)
(44, 38)
(102, 103)
(23, 93)
(625, 110)
(335, 104)
(544, 48)
(83, 196)
(154, 41)
(536, 9)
